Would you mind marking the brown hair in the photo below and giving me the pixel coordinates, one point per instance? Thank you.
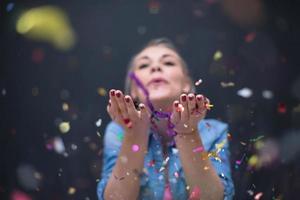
(156, 42)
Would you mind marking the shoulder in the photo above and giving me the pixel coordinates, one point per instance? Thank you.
(212, 131)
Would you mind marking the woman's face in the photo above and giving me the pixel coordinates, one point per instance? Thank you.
(159, 69)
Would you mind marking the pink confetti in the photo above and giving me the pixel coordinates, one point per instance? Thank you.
(250, 37)
(258, 196)
(198, 149)
(135, 148)
(195, 194)
(198, 82)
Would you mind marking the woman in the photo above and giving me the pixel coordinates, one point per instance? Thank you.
(161, 147)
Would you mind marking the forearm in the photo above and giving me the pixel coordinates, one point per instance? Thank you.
(124, 183)
(198, 169)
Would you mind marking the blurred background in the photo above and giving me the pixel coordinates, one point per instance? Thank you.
(58, 59)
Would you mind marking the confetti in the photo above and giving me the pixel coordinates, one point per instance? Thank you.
(58, 145)
(198, 149)
(228, 84)
(208, 106)
(206, 168)
(245, 92)
(3, 92)
(98, 133)
(38, 55)
(99, 122)
(154, 6)
(176, 174)
(135, 148)
(253, 161)
(250, 37)
(257, 138)
(267, 94)
(195, 194)
(9, 7)
(101, 91)
(71, 190)
(281, 108)
(35, 24)
(258, 196)
(198, 82)
(65, 107)
(64, 127)
(218, 55)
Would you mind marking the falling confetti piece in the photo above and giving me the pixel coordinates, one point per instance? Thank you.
(253, 161)
(257, 138)
(58, 145)
(71, 190)
(64, 127)
(3, 91)
(218, 55)
(198, 149)
(267, 94)
(49, 24)
(9, 7)
(65, 107)
(206, 168)
(195, 194)
(198, 82)
(258, 196)
(154, 6)
(228, 84)
(245, 92)
(209, 106)
(99, 122)
(250, 37)
(98, 134)
(281, 108)
(101, 91)
(176, 174)
(135, 148)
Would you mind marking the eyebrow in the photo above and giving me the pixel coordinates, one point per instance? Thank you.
(164, 56)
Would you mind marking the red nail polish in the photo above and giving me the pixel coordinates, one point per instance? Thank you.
(199, 98)
(191, 98)
(176, 104)
(118, 94)
(109, 104)
(126, 121)
(127, 99)
(183, 98)
(112, 93)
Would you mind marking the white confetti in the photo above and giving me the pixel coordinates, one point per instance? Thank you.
(99, 122)
(245, 92)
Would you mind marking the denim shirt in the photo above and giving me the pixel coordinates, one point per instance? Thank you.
(152, 183)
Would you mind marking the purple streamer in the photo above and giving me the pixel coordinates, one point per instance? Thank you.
(155, 114)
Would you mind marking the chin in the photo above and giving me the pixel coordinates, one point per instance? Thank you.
(160, 96)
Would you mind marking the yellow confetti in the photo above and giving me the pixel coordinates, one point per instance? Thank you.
(101, 91)
(253, 161)
(48, 24)
(65, 107)
(209, 106)
(218, 55)
(71, 190)
(64, 127)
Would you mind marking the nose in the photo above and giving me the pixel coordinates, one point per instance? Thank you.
(155, 68)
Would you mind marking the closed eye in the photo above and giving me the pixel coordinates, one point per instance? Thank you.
(169, 63)
(143, 66)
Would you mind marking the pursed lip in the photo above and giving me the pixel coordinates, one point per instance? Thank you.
(157, 80)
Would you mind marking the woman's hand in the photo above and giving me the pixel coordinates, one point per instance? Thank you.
(188, 111)
(122, 110)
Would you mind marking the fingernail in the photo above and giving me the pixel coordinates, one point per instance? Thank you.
(126, 121)
(199, 98)
(112, 93)
(109, 104)
(142, 106)
(176, 104)
(118, 94)
(127, 99)
(191, 98)
(183, 98)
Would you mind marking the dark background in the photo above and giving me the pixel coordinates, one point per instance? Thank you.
(108, 34)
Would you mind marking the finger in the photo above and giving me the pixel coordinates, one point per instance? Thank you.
(191, 104)
(184, 114)
(207, 104)
(114, 105)
(108, 108)
(144, 112)
(132, 112)
(200, 104)
(175, 116)
(121, 104)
